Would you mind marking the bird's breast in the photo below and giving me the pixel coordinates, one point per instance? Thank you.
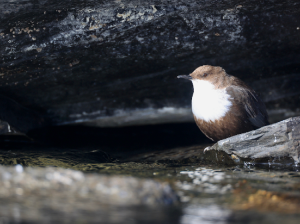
(208, 103)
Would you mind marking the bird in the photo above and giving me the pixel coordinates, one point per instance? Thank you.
(223, 105)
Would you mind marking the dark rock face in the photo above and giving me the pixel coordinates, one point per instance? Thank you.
(114, 63)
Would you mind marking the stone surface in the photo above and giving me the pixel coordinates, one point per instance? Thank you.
(62, 183)
(4, 127)
(52, 195)
(273, 145)
(56, 195)
(114, 63)
(274, 142)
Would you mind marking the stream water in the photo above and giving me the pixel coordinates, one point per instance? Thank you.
(207, 193)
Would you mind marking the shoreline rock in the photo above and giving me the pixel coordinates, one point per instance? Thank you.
(275, 144)
(277, 141)
(62, 183)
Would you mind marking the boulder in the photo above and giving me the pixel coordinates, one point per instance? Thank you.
(110, 190)
(114, 63)
(277, 143)
(55, 195)
(273, 145)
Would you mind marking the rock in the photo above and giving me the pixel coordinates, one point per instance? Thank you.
(277, 143)
(4, 127)
(55, 195)
(114, 63)
(66, 184)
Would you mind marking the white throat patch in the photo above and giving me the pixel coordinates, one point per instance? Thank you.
(208, 103)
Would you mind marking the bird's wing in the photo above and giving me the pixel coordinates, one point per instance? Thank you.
(247, 100)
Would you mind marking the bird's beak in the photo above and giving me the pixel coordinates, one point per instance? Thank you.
(185, 77)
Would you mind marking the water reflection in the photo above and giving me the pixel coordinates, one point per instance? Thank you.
(211, 214)
(208, 193)
(205, 180)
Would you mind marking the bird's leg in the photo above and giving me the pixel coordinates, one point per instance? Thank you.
(208, 148)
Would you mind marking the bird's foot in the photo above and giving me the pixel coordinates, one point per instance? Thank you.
(206, 149)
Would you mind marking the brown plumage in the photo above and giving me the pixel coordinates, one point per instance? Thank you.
(241, 110)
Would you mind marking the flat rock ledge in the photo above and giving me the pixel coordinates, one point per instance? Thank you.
(278, 143)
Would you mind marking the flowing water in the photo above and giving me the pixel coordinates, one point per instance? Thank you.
(206, 193)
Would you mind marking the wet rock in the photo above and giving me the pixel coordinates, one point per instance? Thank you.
(55, 195)
(114, 63)
(277, 143)
(69, 184)
(273, 145)
(4, 127)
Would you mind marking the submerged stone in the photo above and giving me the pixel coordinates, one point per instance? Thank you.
(66, 184)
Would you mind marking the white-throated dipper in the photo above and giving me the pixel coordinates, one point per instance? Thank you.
(223, 105)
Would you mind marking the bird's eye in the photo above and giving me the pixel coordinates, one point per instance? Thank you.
(205, 74)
